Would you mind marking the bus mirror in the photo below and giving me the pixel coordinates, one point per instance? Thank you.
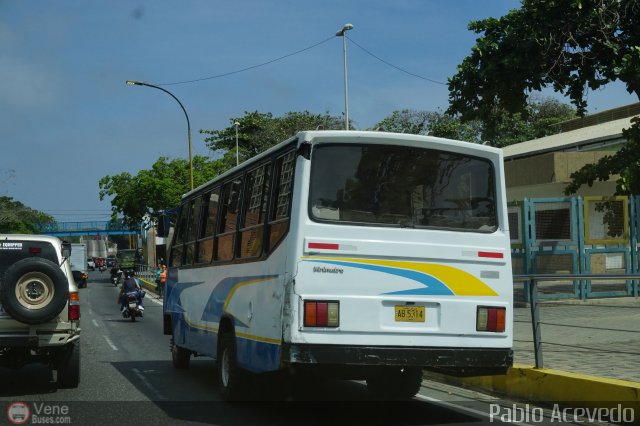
(66, 250)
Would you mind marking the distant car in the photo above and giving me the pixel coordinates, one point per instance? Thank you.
(111, 262)
(91, 264)
(80, 278)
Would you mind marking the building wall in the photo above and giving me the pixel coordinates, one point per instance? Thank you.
(547, 175)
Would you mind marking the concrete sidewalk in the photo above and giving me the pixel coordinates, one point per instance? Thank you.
(590, 354)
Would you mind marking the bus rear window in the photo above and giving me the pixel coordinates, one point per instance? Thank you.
(384, 185)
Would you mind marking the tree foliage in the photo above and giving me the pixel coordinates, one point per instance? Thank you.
(540, 120)
(16, 218)
(160, 188)
(430, 123)
(259, 131)
(571, 46)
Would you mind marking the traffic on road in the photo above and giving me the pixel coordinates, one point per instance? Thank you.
(127, 366)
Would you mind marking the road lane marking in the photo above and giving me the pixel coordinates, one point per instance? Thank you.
(462, 408)
(114, 347)
(148, 384)
(95, 323)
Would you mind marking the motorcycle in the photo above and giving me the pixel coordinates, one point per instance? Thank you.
(116, 276)
(132, 307)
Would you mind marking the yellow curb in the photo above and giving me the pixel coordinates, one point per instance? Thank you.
(148, 285)
(543, 384)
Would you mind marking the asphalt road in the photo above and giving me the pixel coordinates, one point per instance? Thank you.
(127, 378)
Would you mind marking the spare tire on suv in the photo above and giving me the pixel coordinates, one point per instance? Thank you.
(34, 290)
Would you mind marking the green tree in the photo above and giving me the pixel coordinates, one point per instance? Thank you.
(569, 45)
(430, 123)
(259, 131)
(16, 218)
(160, 188)
(540, 120)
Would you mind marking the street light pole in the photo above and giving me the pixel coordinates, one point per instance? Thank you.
(140, 83)
(237, 124)
(342, 33)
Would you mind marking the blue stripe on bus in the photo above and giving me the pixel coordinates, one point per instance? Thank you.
(432, 286)
(256, 356)
(173, 303)
(214, 308)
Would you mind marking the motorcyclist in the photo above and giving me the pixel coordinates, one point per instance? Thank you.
(115, 273)
(131, 284)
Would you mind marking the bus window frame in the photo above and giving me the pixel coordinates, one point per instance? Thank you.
(264, 207)
(202, 237)
(224, 188)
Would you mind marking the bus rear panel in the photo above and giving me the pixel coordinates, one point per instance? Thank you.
(402, 258)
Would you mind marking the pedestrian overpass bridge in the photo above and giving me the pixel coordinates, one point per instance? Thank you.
(62, 229)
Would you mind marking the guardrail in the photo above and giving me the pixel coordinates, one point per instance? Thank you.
(531, 281)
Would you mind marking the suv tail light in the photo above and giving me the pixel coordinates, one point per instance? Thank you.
(491, 319)
(74, 306)
(321, 313)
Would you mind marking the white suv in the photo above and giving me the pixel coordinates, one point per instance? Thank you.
(39, 306)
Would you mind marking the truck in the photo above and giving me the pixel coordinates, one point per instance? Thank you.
(78, 261)
(127, 259)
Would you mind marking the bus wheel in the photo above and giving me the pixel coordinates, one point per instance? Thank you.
(395, 383)
(230, 378)
(180, 356)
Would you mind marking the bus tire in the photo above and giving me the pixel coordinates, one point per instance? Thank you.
(395, 382)
(180, 357)
(34, 290)
(230, 377)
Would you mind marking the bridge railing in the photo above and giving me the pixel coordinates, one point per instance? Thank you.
(86, 228)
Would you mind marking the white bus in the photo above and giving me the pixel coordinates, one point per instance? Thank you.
(362, 255)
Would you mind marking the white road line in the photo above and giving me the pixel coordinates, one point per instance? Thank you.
(95, 323)
(157, 301)
(148, 384)
(462, 408)
(114, 347)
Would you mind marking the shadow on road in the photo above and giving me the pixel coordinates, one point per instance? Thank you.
(192, 396)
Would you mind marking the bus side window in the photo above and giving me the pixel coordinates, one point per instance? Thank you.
(208, 220)
(177, 249)
(281, 198)
(255, 202)
(190, 237)
(225, 238)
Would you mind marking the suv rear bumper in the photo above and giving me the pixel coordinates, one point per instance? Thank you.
(41, 340)
(19, 341)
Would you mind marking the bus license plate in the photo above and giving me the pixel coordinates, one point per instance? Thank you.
(410, 314)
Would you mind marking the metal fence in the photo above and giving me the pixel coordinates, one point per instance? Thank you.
(596, 337)
(581, 236)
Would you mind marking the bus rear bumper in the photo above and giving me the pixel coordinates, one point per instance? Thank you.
(454, 361)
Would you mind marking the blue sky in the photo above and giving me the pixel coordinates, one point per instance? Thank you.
(67, 118)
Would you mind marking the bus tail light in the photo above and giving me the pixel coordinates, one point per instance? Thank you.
(74, 306)
(491, 319)
(321, 313)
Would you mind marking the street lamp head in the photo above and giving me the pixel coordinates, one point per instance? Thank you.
(344, 29)
(236, 124)
(137, 83)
